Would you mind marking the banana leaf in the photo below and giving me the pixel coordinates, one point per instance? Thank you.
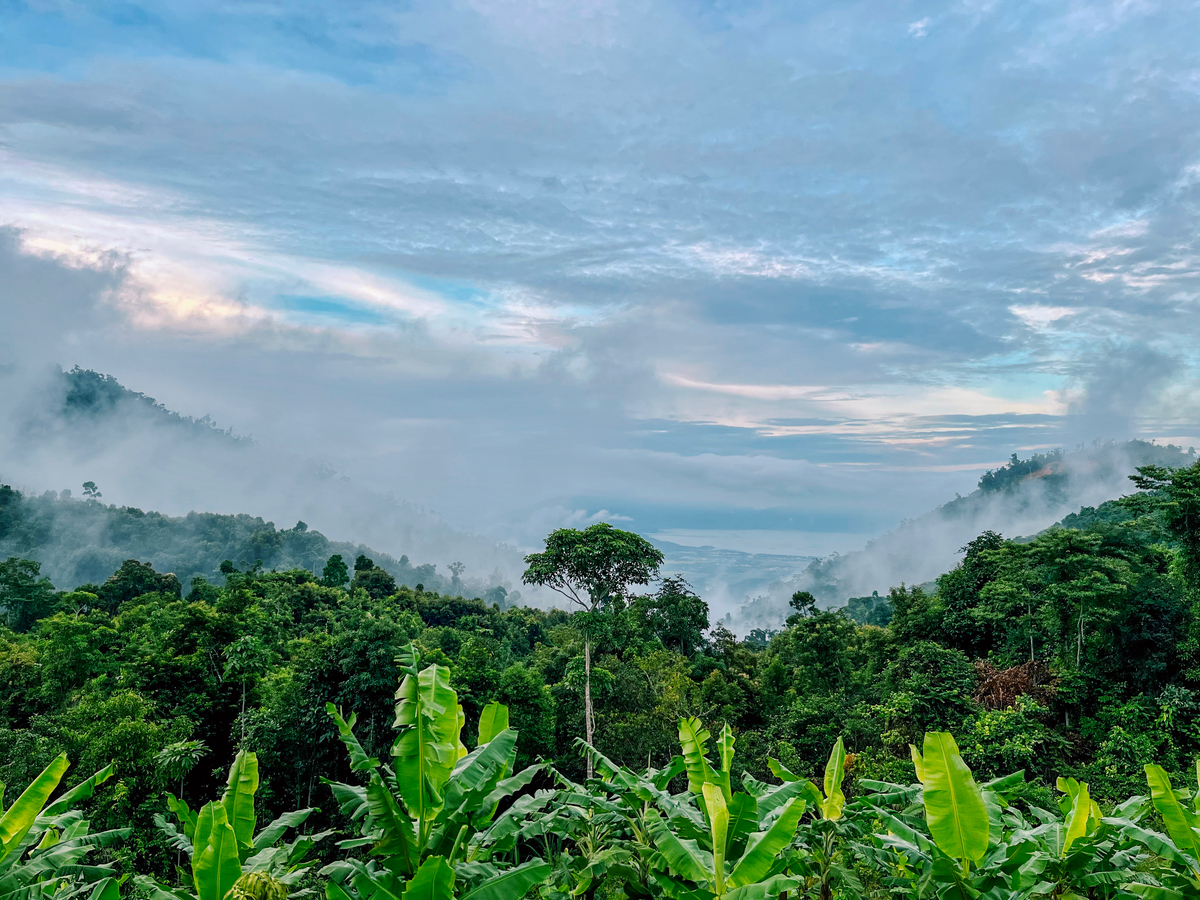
(954, 806)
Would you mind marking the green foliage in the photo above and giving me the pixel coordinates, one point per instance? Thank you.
(132, 670)
(423, 816)
(43, 844)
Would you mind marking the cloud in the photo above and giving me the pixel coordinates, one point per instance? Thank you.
(516, 263)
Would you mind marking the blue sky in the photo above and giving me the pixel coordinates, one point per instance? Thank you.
(691, 266)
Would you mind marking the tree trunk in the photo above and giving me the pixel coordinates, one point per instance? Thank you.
(587, 696)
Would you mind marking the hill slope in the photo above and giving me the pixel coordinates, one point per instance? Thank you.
(1024, 497)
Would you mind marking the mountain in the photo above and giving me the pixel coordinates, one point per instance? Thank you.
(78, 426)
(81, 540)
(1021, 498)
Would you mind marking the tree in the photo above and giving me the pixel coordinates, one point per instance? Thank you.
(592, 568)
(246, 658)
(675, 614)
(336, 573)
(176, 760)
(24, 597)
(377, 582)
(133, 580)
(91, 491)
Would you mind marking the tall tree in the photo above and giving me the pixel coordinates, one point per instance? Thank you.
(592, 568)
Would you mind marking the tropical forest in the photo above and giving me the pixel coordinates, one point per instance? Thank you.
(1023, 726)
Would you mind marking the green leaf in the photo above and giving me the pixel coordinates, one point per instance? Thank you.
(216, 866)
(238, 799)
(831, 806)
(428, 719)
(1155, 842)
(764, 846)
(718, 822)
(433, 881)
(492, 721)
(764, 890)
(183, 812)
(1181, 823)
(684, 858)
(273, 832)
(954, 807)
(81, 791)
(780, 771)
(1080, 812)
(1152, 891)
(693, 738)
(105, 889)
(512, 884)
(399, 838)
(780, 794)
(359, 761)
(743, 819)
(19, 818)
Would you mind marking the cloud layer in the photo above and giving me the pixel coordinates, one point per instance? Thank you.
(723, 266)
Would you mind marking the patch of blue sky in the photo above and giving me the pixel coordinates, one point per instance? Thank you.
(64, 40)
(334, 308)
(461, 292)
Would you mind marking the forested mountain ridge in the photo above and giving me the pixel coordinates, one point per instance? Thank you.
(1023, 497)
(90, 394)
(82, 540)
(66, 428)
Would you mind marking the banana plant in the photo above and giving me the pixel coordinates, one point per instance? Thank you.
(422, 816)
(948, 823)
(43, 844)
(1179, 848)
(714, 842)
(818, 856)
(228, 859)
(955, 838)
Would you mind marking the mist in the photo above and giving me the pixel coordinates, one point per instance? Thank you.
(1019, 501)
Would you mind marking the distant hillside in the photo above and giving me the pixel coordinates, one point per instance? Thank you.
(68, 428)
(1023, 497)
(81, 541)
(91, 395)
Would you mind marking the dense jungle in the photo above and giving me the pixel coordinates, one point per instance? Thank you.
(1023, 727)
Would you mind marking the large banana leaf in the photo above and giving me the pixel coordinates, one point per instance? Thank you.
(433, 881)
(397, 836)
(764, 846)
(428, 719)
(1182, 824)
(693, 737)
(1082, 810)
(82, 791)
(764, 890)
(512, 884)
(238, 800)
(725, 754)
(684, 858)
(743, 819)
(19, 818)
(273, 832)
(954, 807)
(359, 761)
(216, 866)
(718, 821)
(831, 806)
(492, 721)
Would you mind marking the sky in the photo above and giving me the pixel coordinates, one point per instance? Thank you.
(770, 275)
